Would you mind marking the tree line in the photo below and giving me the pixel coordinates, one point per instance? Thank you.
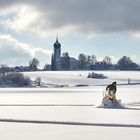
(9, 79)
(89, 62)
(84, 62)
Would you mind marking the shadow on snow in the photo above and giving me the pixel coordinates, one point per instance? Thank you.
(70, 123)
(72, 105)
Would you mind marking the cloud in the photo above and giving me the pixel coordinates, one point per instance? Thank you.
(18, 53)
(48, 17)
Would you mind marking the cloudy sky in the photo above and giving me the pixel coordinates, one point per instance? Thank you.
(28, 29)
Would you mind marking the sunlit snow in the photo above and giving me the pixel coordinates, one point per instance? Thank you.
(70, 113)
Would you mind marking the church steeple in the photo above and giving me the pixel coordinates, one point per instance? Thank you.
(57, 38)
(57, 51)
(57, 45)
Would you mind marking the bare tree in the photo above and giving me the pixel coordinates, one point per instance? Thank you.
(38, 81)
(33, 64)
(93, 59)
(3, 70)
(107, 60)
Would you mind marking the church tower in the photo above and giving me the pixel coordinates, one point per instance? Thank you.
(57, 49)
(56, 55)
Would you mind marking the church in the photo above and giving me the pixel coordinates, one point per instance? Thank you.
(57, 58)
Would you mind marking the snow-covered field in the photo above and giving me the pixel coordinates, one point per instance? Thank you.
(74, 78)
(70, 113)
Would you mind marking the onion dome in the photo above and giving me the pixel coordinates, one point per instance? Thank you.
(57, 45)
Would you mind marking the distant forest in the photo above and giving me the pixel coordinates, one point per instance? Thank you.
(84, 62)
(91, 63)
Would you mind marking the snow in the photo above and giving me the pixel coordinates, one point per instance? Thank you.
(70, 113)
(73, 78)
